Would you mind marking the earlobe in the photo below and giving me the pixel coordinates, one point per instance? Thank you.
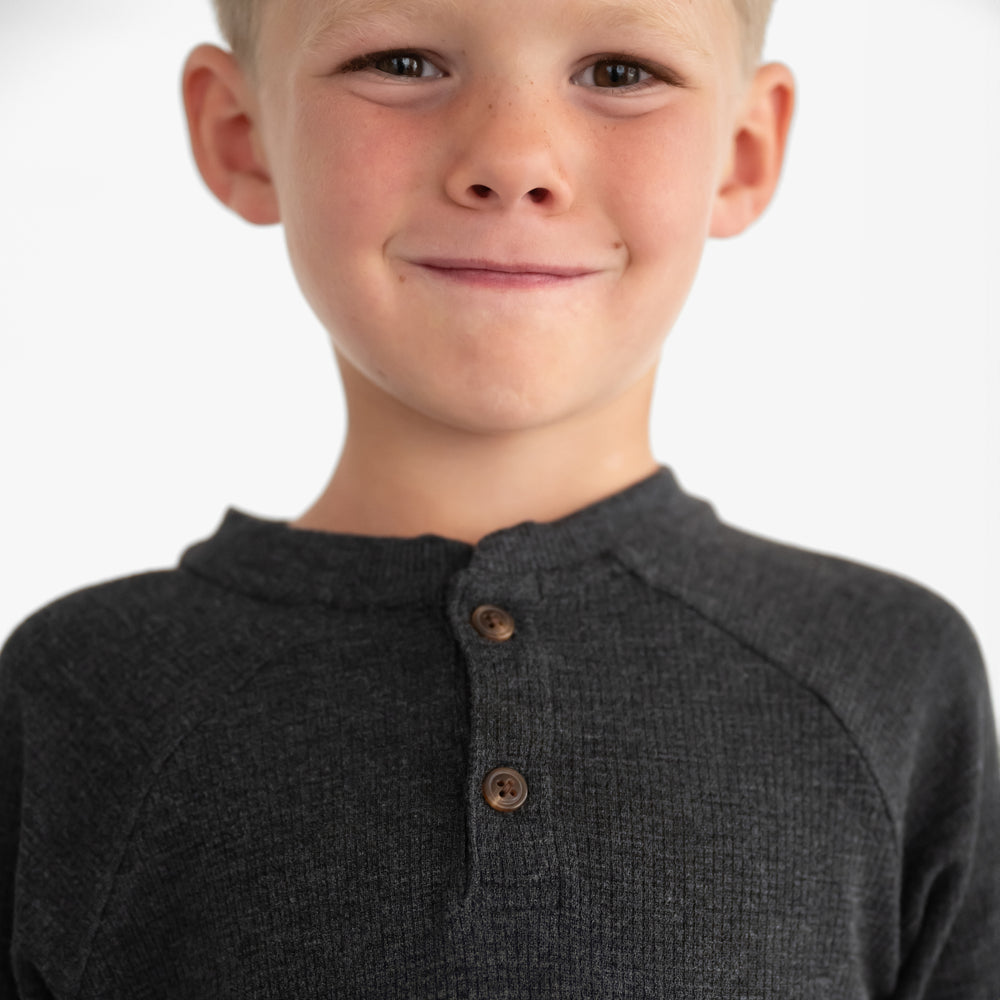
(224, 137)
(758, 151)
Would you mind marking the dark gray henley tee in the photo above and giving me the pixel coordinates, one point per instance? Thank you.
(752, 772)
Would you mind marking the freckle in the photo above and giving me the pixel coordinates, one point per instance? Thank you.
(617, 245)
(402, 278)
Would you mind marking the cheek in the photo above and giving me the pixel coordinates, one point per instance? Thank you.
(660, 195)
(660, 177)
(343, 190)
(345, 173)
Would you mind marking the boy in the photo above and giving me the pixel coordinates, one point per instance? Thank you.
(505, 714)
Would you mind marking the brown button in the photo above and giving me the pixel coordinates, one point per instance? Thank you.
(493, 623)
(505, 790)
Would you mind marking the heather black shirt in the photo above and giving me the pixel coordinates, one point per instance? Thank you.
(753, 772)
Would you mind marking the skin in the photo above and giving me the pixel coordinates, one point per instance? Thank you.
(496, 226)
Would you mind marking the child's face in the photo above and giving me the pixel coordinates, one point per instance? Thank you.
(498, 221)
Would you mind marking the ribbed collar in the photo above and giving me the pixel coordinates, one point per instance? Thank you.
(275, 562)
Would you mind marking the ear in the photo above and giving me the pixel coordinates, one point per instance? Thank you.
(225, 137)
(758, 151)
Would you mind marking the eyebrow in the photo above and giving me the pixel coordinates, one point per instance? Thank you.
(353, 15)
(673, 18)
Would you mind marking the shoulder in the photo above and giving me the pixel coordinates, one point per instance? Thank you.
(813, 611)
(150, 632)
(96, 691)
(102, 680)
(896, 664)
(112, 611)
(799, 605)
(119, 671)
(841, 623)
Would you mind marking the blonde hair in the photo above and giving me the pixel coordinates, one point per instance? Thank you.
(753, 16)
(239, 21)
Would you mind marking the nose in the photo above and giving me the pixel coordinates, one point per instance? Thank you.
(506, 155)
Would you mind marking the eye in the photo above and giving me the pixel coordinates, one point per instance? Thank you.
(624, 73)
(613, 73)
(402, 64)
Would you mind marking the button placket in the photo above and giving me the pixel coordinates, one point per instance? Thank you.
(511, 840)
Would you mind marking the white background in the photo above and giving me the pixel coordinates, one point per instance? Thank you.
(833, 382)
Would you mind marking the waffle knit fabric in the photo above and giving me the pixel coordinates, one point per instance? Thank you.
(753, 772)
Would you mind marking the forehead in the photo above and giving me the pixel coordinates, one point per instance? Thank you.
(693, 23)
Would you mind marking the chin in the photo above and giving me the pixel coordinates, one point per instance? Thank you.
(499, 421)
(510, 412)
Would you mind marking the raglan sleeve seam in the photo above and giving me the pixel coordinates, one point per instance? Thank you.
(853, 738)
(154, 773)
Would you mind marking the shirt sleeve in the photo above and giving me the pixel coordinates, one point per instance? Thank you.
(10, 810)
(950, 908)
(19, 979)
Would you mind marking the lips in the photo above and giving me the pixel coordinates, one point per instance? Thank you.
(505, 267)
(501, 275)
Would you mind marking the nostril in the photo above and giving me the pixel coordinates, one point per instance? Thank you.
(482, 191)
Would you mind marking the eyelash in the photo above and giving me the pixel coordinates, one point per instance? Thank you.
(370, 60)
(654, 74)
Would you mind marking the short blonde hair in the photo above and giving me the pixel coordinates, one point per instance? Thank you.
(754, 16)
(239, 21)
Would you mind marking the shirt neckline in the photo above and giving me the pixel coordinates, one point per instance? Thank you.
(272, 561)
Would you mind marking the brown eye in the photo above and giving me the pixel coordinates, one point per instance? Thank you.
(617, 74)
(400, 65)
(620, 73)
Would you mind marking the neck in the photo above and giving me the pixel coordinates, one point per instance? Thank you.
(402, 475)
